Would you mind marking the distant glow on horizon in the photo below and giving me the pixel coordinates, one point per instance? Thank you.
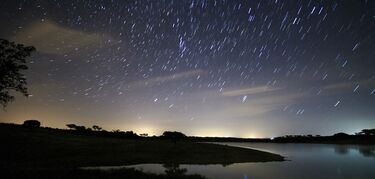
(150, 130)
(212, 132)
(252, 135)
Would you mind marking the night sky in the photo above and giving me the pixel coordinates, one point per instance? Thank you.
(254, 68)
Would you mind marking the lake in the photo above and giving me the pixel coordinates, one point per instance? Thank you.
(304, 161)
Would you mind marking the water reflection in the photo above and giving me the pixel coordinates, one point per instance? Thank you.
(366, 151)
(174, 169)
(342, 150)
(306, 161)
(170, 170)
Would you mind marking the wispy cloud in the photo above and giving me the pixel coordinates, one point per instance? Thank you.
(261, 101)
(249, 91)
(254, 111)
(346, 85)
(50, 37)
(163, 79)
(278, 99)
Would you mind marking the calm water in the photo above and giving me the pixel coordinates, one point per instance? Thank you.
(306, 161)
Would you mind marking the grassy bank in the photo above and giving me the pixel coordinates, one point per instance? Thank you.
(48, 148)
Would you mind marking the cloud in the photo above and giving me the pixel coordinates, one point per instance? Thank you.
(279, 99)
(339, 86)
(249, 91)
(347, 85)
(163, 79)
(261, 102)
(52, 38)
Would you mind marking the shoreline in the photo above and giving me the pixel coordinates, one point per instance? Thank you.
(48, 148)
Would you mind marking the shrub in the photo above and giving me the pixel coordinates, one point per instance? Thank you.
(31, 123)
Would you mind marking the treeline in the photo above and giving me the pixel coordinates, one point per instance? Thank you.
(83, 130)
(96, 130)
(175, 136)
(365, 136)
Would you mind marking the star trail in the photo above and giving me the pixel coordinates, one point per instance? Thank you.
(256, 68)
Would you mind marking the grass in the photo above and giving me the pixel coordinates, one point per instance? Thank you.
(41, 148)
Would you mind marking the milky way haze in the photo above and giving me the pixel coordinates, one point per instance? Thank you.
(208, 68)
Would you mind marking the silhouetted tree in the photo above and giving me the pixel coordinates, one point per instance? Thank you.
(71, 126)
(12, 61)
(144, 135)
(75, 127)
(173, 135)
(125, 134)
(130, 134)
(117, 131)
(80, 128)
(96, 128)
(367, 132)
(31, 123)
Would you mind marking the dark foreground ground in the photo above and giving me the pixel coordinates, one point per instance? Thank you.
(28, 152)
